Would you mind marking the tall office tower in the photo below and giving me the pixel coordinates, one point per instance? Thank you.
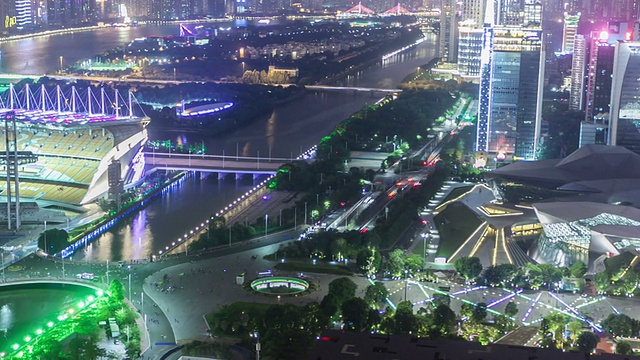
(600, 70)
(448, 42)
(216, 8)
(484, 98)
(578, 66)
(65, 13)
(569, 31)
(473, 10)
(532, 14)
(509, 12)
(163, 10)
(469, 50)
(23, 13)
(511, 82)
(624, 126)
(137, 8)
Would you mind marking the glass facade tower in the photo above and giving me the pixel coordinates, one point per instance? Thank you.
(625, 97)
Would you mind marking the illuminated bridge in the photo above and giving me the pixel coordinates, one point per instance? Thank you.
(215, 163)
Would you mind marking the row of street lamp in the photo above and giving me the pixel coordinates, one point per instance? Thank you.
(306, 155)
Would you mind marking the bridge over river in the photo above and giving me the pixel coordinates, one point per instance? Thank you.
(215, 163)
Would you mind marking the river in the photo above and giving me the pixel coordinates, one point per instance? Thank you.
(288, 130)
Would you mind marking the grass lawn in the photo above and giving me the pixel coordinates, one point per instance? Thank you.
(317, 268)
(457, 192)
(455, 223)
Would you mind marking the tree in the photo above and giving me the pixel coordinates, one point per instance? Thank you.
(587, 341)
(511, 309)
(355, 313)
(376, 293)
(329, 305)
(467, 310)
(343, 289)
(368, 261)
(444, 319)
(53, 241)
(578, 269)
(619, 325)
(624, 348)
(405, 319)
(116, 290)
(602, 281)
(480, 312)
(395, 263)
(468, 267)
(551, 330)
(574, 327)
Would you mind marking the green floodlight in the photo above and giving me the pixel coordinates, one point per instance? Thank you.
(27, 338)
(100, 292)
(50, 324)
(81, 304)
(61, 317)
(3, 354)
(15, 346)
(70, 311)
(39, 331)
(90, 298)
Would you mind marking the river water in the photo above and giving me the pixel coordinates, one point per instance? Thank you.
(288, 130)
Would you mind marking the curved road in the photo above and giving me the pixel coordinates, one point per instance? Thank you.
(202, 283)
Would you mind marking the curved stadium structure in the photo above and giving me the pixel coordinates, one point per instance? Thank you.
(70, 139)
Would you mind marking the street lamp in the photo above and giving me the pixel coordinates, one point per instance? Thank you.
(61, 66)
(424, 247)
(45, 237)
(266, 221)
(406, 281)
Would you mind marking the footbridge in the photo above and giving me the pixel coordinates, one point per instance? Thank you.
(215, 163)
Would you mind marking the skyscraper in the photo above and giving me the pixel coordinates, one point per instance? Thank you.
(473, 13)
(448, 46)
(511, 81)
(624, 128)
(469, 50)
(23, 14)
(578, 66)
(569, 31)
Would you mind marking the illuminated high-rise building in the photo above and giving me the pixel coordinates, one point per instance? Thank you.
(578, 67)
(469, 50)
(23, 13)
(448, 40)
(511, 82)
(624, 124)
(508, 12)
(569, 31)
(600, 69)
(472, 13)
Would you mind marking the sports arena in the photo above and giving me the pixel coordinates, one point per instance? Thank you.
(65, 140)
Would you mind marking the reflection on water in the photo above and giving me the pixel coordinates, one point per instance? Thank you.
(285, 133)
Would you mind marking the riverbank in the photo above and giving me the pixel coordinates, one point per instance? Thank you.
(93, 230)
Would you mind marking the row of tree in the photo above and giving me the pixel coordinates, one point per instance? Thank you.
(532, 276)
